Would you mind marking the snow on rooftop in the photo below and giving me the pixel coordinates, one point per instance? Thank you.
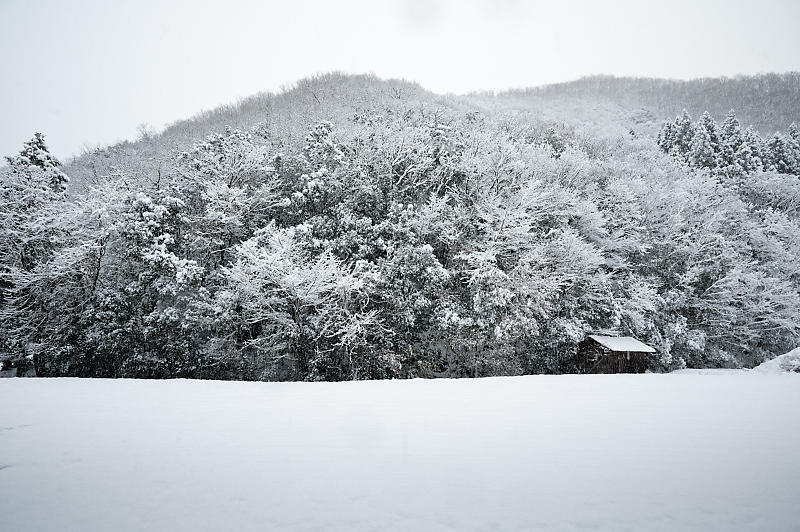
(622, 343)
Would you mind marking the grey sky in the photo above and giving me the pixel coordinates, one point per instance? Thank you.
(88, 72)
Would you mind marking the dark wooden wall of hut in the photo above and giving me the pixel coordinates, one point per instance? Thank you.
(594, 358)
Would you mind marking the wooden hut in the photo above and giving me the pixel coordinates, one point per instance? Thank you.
(613, 354)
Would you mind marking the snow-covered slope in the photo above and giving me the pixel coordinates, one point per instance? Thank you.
(636, 452)
(781, 364)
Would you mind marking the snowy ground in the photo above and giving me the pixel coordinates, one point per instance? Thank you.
(627, 452)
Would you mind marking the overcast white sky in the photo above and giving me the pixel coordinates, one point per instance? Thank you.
(89, 72)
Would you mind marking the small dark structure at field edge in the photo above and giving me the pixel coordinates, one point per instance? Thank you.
(613, 354)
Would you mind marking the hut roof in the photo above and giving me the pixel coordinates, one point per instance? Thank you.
(622, 343)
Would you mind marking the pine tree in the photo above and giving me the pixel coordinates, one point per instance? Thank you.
(31, 187)
(751, 156)
(746, 162)
(35, 155)
(793, 137)
(684, 131)
(555, 142)
(701, 152)
(780, 155)
(730, 137)
(794, 132)
(731, 143)
(31, 183)
(707, 122)
(666, 136)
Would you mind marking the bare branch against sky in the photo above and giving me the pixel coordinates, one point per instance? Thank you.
(88, 72)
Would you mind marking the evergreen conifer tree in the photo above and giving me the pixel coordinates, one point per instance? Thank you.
(703, 150)
(751, 155)
(780, 155)
(707, 122)
(731, 143)
(794, 132)
(793, 137)
(684, 131)
(666, 136)
(35, 155)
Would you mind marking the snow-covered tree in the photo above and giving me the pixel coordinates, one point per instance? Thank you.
(666, 139)
(743, 308)
(780, 155)
(48, 293)
(793, 138)
(751, 155)
(555, 141)
(307, 313)
(702, 153)
(31, 196)
(794, 132)
(732, 144)
(684, 133)
(35, 157)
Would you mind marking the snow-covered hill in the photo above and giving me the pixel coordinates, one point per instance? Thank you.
(781, 364)
(636, 452)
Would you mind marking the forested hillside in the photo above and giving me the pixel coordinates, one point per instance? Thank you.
(353, 228)
(601, 105)
(284, 118)
(768, 102)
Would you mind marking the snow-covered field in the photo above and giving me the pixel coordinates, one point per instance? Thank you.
(608, 452)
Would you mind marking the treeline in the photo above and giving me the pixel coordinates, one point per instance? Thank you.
(406, 241)
(766, 101)
(728, 150)
(282, 119)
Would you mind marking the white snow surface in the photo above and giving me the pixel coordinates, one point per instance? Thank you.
(789, 362)
(598, 452)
